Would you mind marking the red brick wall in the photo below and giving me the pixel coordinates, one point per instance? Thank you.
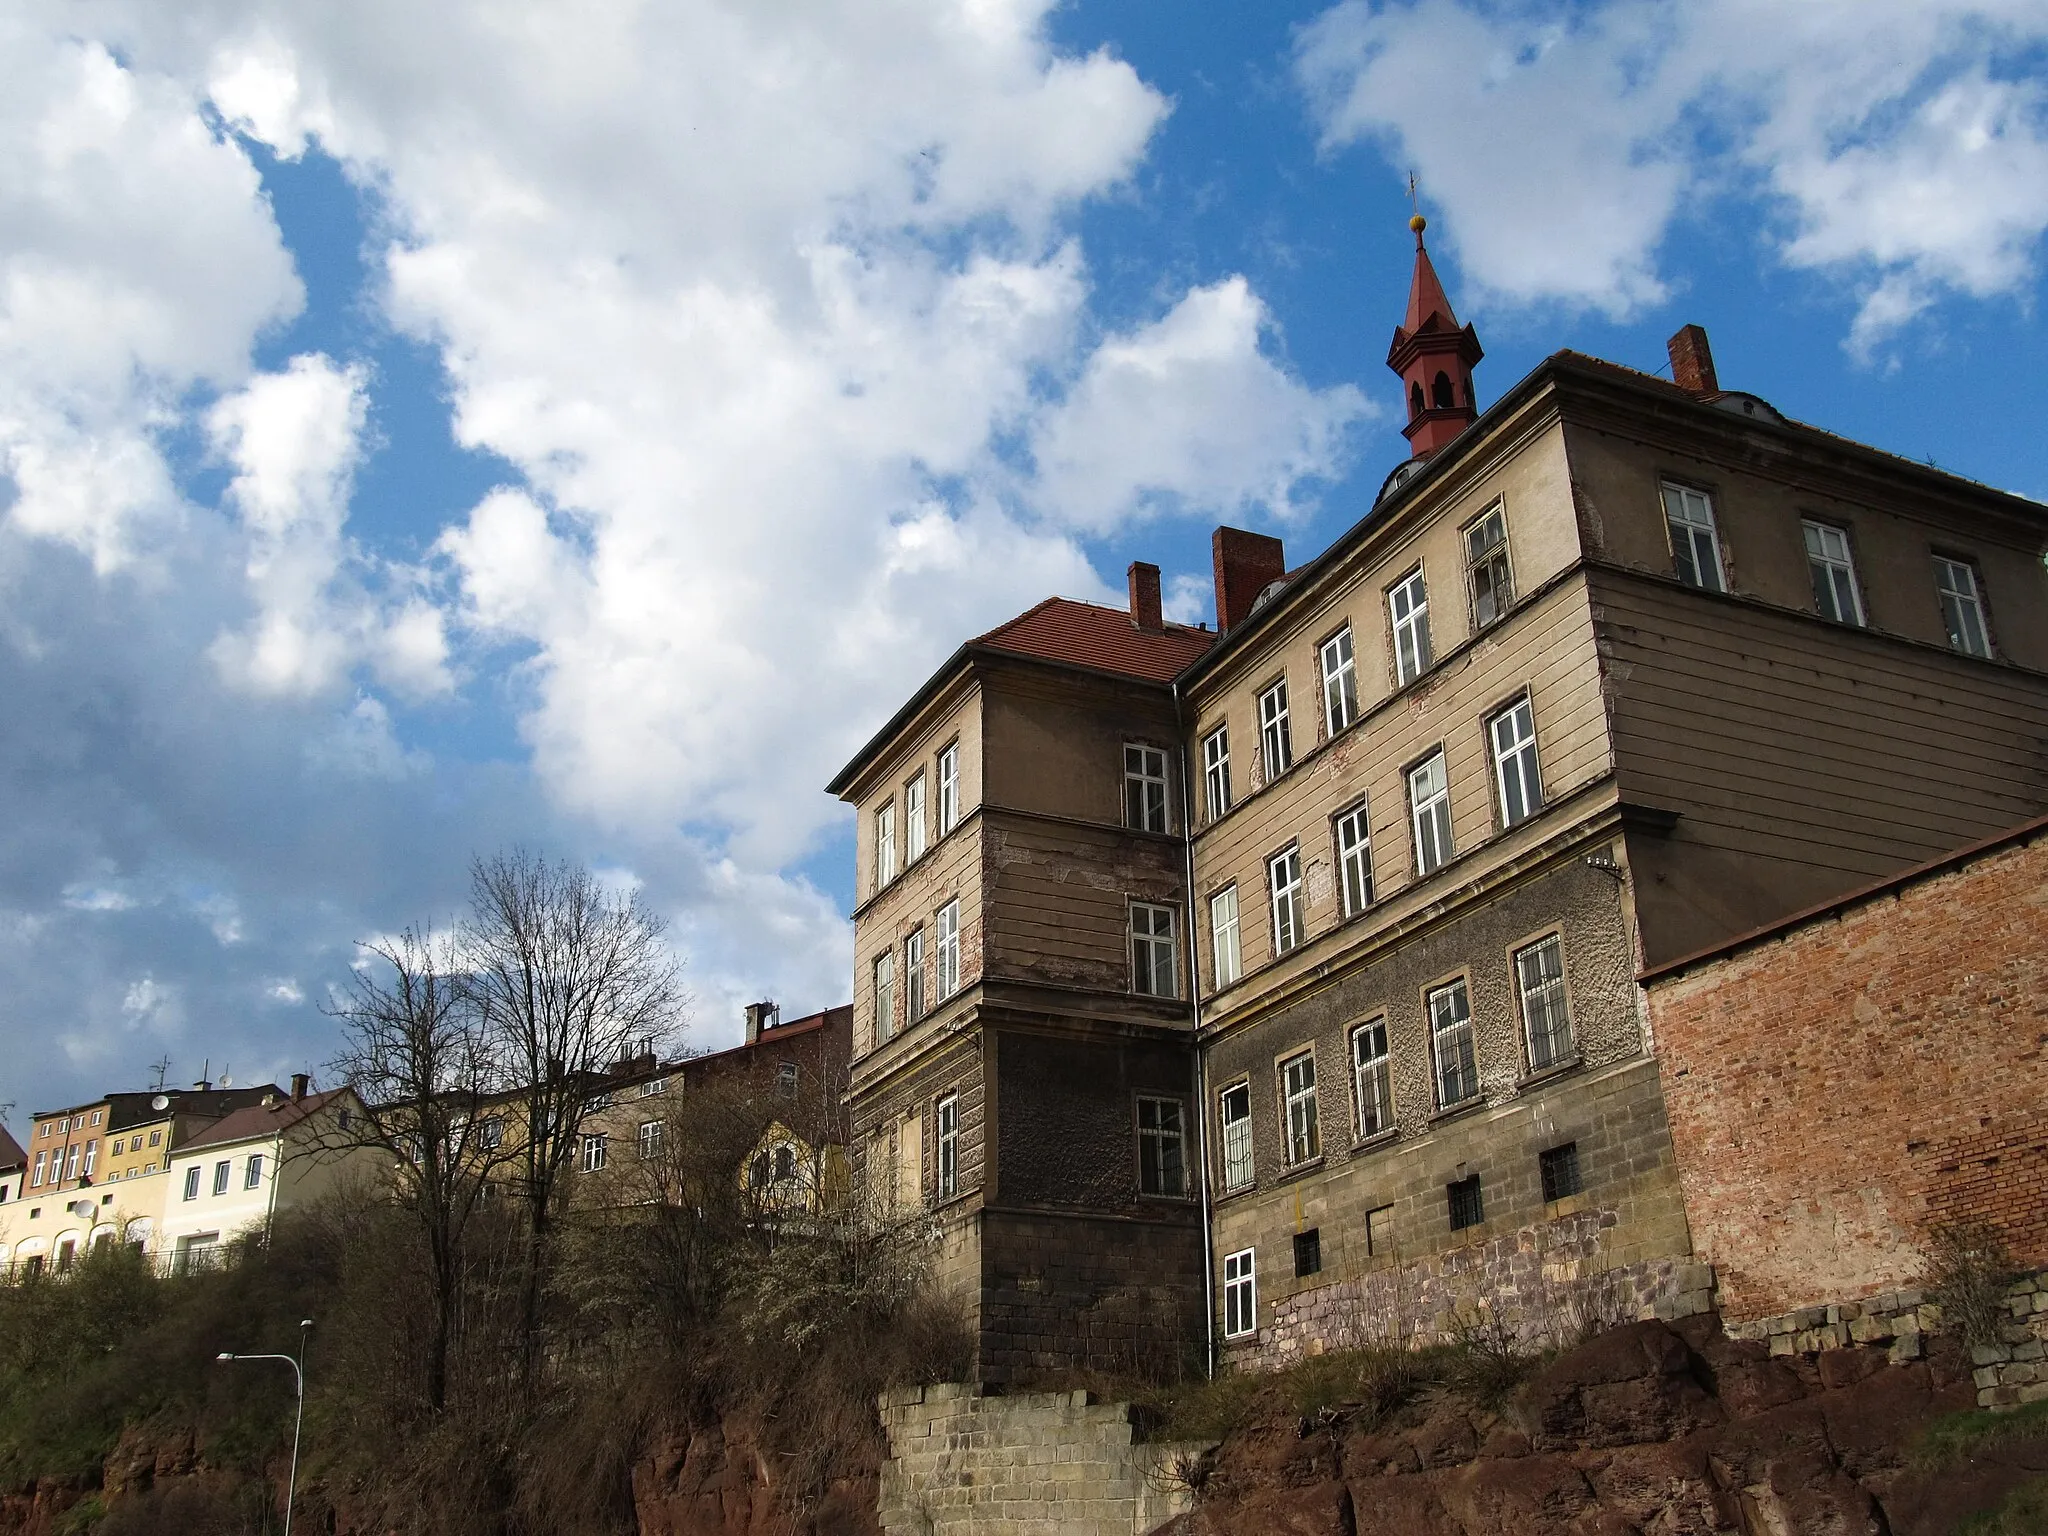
(1834, 1089)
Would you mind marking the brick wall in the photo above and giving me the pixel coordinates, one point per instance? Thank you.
(1835, 1087)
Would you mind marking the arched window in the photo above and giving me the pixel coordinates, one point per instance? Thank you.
(1415, 403)
(1442, 391)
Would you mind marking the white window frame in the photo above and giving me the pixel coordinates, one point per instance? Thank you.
(1696, 553)
(1517, 774)
(192, 1175)
(1226, 961)
(1300, 1113)
(1161, 1138)
(1284, 903)
(652, 1134)
(1216, 771)
(1545, 1002)
(92, 1153)
(1449, 1007)
(594, 1151)
(884, 973)
(885, 844)
(1372, 1079)
(71, 1161)
(1145, 788)
(1408, 609)
(1429, 813)
(1354, 858)
(946, 1140)
(949, 789)
(1831, 561)
(914, 1003)
(1962, 607)
(1240, 1294)
(1238, 1156)
(1489, 571)
(653, 1087)
(914, 828)
(1154, 972)
(1276, 738)
(42, 1161)
(252, 1172)
(946, 953)
(1340, 681)
(222, 1176)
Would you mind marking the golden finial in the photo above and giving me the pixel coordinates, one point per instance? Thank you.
(1416, 221)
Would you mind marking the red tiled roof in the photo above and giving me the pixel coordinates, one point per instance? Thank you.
(257, 1120)
(1088, 635)
(10, 1150)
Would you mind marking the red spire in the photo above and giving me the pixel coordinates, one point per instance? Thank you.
(1434, 356)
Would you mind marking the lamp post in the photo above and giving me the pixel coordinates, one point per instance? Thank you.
(298, 1366)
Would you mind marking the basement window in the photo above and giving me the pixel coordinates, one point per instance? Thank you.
(1468, 1208)
(1308, 1253)
(1560, 1169)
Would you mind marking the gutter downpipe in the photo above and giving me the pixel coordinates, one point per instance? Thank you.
(1187, 845)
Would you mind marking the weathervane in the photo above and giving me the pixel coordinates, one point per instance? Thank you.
(1416, 221)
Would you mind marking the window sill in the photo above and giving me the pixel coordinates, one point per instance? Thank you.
(1223, 1196)
(1563, 1068)
(1300, 1170)
(1461, 1108)
(1376, 1141)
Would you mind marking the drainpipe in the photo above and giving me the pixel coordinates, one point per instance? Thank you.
(1187, 847)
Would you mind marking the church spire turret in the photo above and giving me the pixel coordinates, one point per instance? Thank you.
(1434, 357)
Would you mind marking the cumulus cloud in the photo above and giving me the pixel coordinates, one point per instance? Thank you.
(1902, 144)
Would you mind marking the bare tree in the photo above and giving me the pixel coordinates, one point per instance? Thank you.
(567, 980)
(414, 1051)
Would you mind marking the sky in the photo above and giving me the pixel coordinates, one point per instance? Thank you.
(430, 427)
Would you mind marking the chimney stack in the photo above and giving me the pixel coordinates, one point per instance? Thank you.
(301, 1081)
(1246, 564)
(1145, 610)
(760, 1016)
(1692, 362)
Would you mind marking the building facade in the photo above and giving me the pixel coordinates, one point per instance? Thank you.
(1612, 672)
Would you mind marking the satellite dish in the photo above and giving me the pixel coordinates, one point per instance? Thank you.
(161, 1101)
(83, 1208)
(226, 1081)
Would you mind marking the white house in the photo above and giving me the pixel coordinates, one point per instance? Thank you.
(234, 1176)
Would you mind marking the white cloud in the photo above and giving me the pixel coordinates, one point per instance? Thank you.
(1905, 142)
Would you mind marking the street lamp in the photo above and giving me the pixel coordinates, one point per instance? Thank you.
(298, 1366)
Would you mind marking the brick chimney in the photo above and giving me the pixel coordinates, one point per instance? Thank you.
(760, 1016)
(1692, 362)
(301, 1081)
(1246, 564)
(1144, 580)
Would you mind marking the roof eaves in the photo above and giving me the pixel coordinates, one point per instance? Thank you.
(934, 685)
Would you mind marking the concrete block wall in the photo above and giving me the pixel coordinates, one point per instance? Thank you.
(1031, 1465)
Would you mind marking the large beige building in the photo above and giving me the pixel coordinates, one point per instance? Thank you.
(1610, 673)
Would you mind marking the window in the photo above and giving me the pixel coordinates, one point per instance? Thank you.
(1408, 603)
(1450, 1032)
(1373, 1078)
(1560, 1169)
(1276, 745)
(92, 1152)
(913, 820)
(913, 977)
(1216, 770)
(1240, 1295)
(1354, 859)
(1429, 805)
(1236, 1102)
(885, 845)
(885, 994)
(653, 1087)
(71, 1161)
(1298, 1090)
(1340, 682)
(1513, 734)
(97, 1115)
(1546, 1018)
(115, 1149)
(785, 1164)
(1486, 567)
(594, 1148)
(490, 1134)
(1145, 788)
(949, 949)
(948, 1118)
(1308, 1253)
(1379, 1231)
(1152, 950)
(1834, 573)
(1162, 1147)
(949, 789)
(157, 1136)
(1223, 936)
(1283, 878)
(1468, 1208)
(220, 1178)
(192, 1182)
(786, 1076)
(651, 1134)
(252, 1176)
(1962, 607)
(36, 1178)
(1695, 546)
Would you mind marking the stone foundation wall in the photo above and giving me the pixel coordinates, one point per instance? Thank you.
(1032, 1465)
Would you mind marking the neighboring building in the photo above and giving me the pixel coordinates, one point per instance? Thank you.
(1611, 673)
(13, 1166)
(233, 1177)
(1845, 1080)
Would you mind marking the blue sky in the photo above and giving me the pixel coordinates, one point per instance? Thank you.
(432, 426)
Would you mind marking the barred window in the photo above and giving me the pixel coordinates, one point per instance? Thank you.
(1298, 1090)
(1308, 1253)
(1373, 1078)
(1236, 1105)
(1560, 1169)
(1450, 1029)
(1162, 1148)
(1546, 1014)
(1468, 1206)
